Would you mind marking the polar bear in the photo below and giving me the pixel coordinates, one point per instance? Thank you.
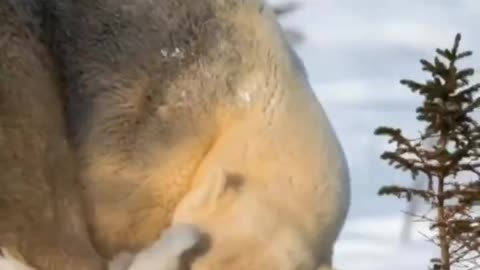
(199, 112)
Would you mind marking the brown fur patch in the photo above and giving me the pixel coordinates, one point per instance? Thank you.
(41, 215)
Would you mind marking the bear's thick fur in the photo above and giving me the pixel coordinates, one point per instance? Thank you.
(198, 111)
(41, 216)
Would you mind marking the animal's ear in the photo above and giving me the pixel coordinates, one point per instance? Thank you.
(215, 190)
(206, 194)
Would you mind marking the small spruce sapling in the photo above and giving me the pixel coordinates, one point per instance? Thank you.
(451, 164)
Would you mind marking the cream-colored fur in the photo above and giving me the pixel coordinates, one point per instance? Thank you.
(9, 262)
(288, 203)
(199, 112)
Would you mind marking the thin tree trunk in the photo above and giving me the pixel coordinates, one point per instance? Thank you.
(443, 237)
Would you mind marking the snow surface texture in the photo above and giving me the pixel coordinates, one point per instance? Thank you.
(355, 53)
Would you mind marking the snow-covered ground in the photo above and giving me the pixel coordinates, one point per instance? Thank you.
(355, 52)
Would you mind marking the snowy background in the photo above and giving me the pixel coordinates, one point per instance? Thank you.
(355, 52)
